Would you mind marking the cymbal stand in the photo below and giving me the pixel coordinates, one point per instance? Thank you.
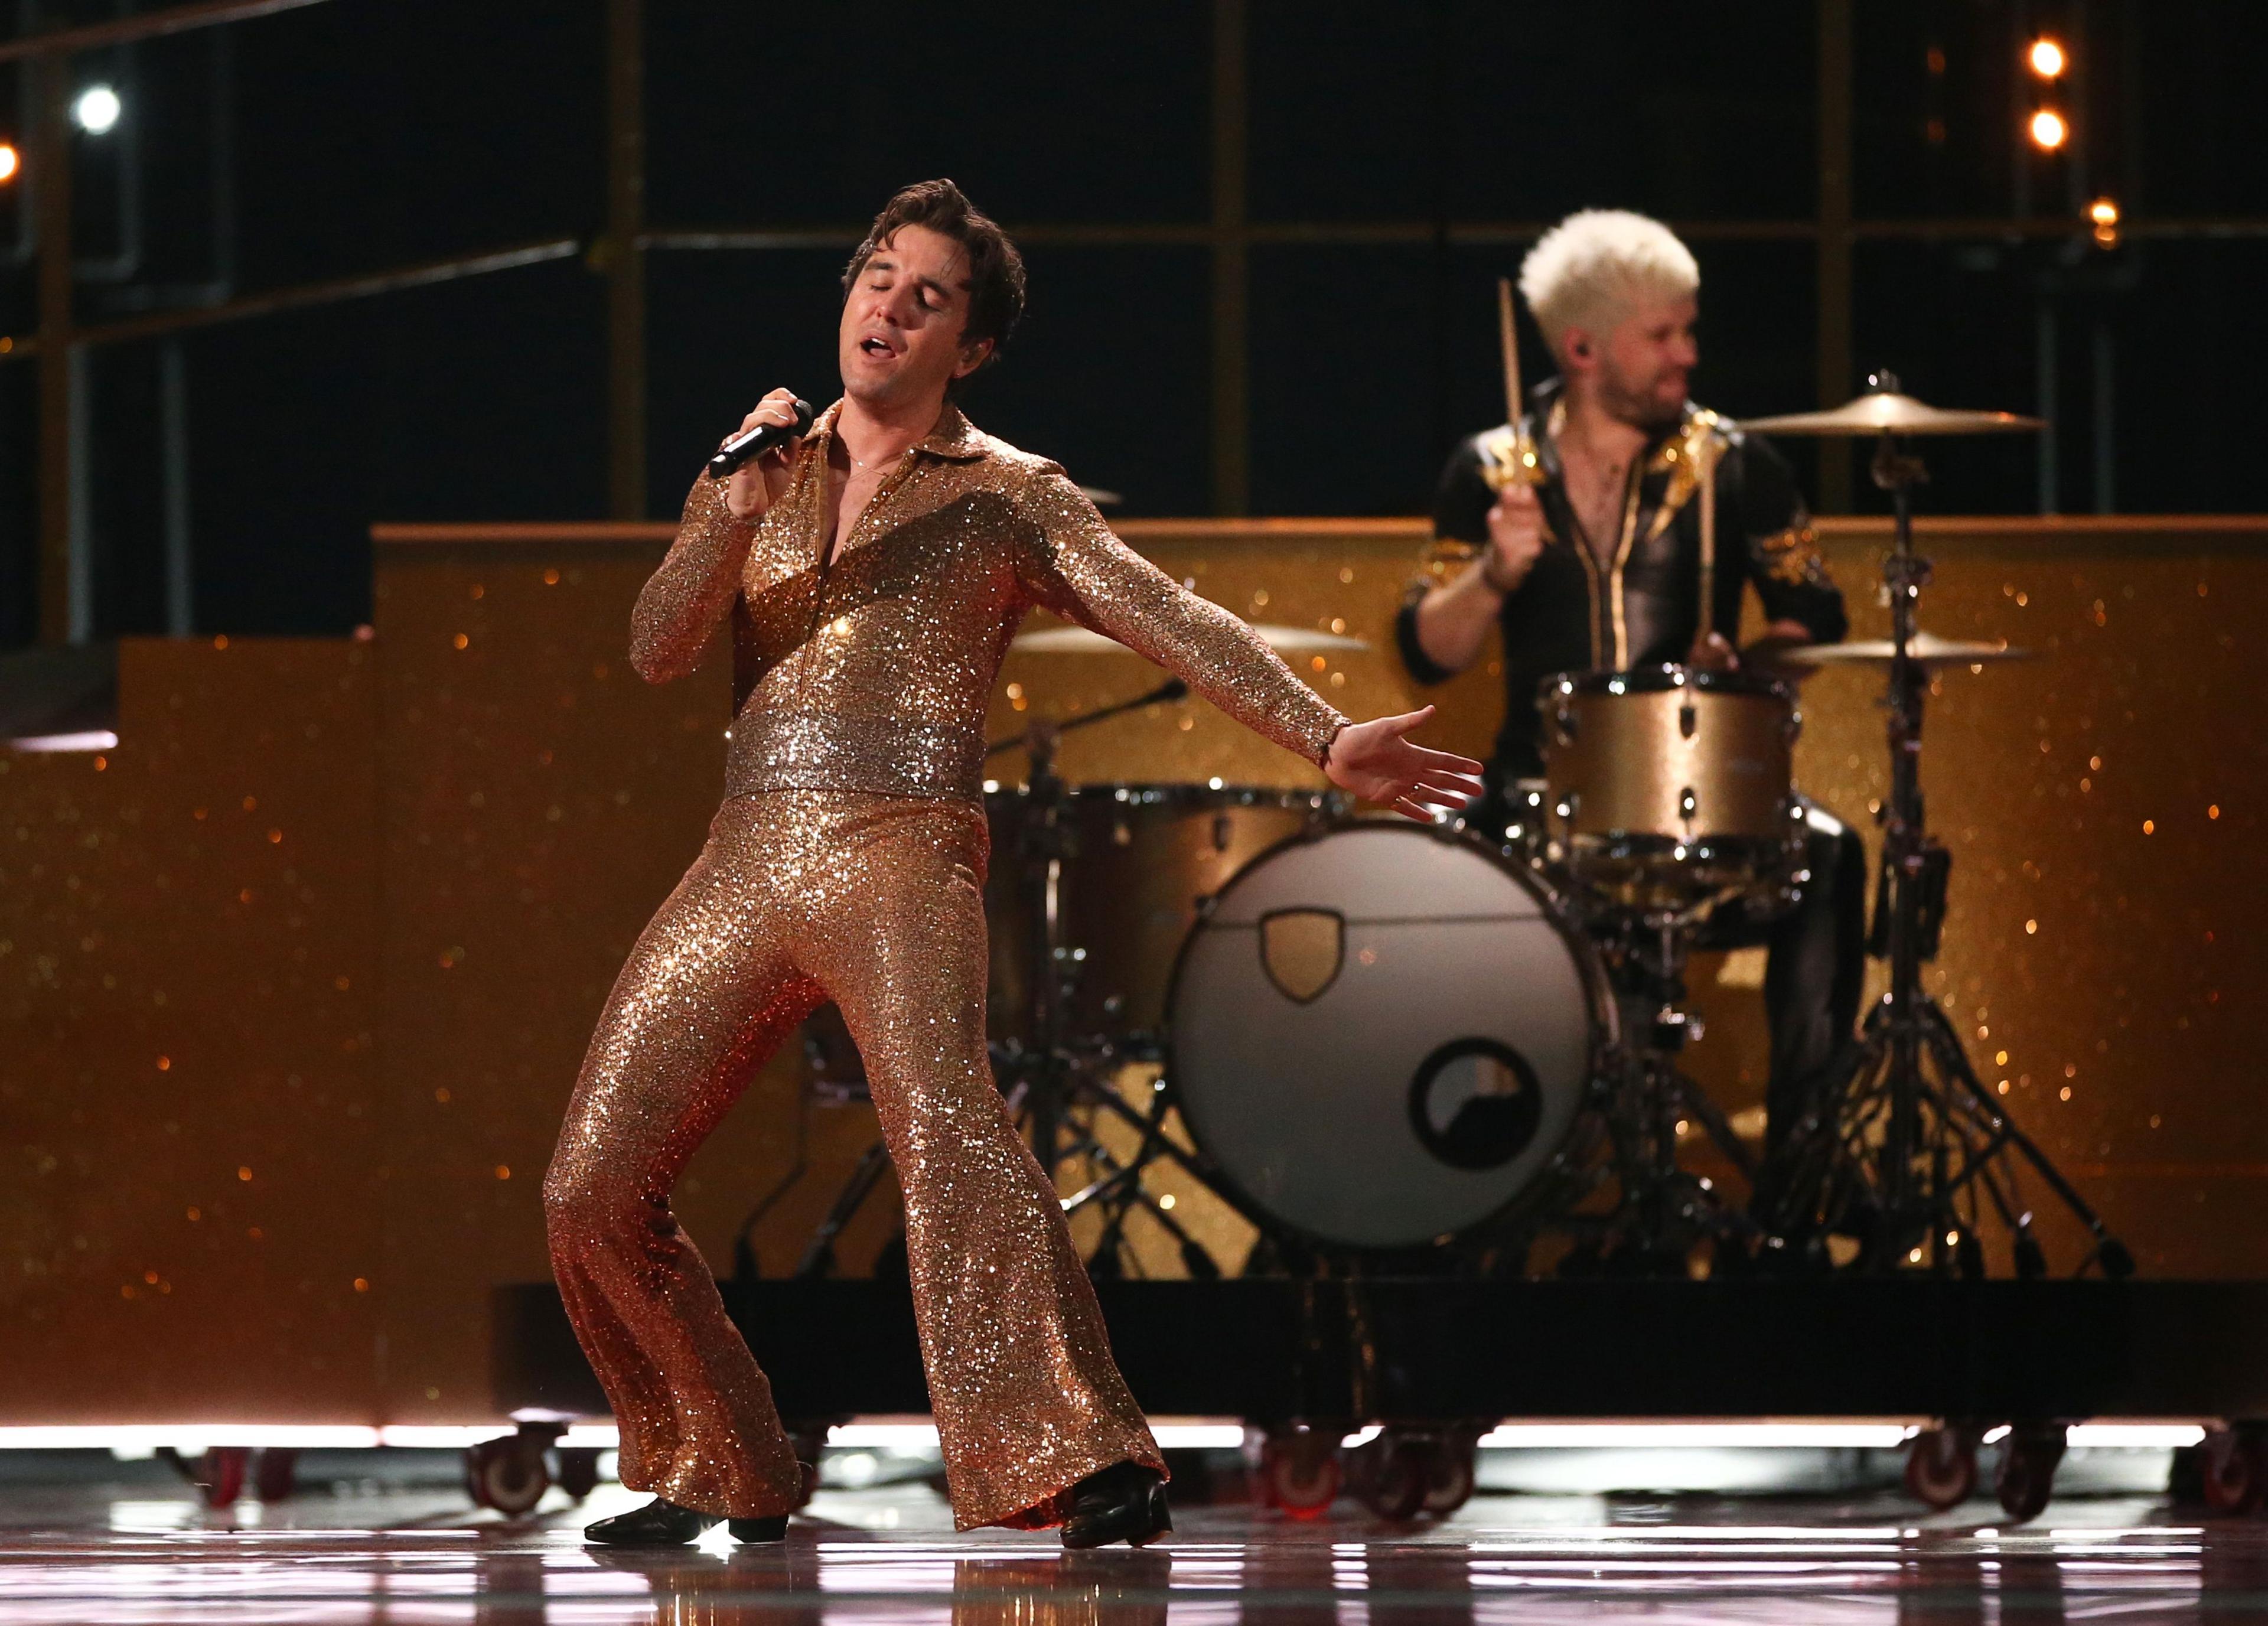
(1050, 1071)
(1902, 1138)
(1041, 1068)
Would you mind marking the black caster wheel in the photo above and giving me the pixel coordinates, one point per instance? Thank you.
(275, 1474)
(1298, 1470)
(1452, 1473)
(219, 1476)
(2028, 1458)
(1391, 1474)
(1941, 1467)
(2232, 1470)
(579, 1470)
(507, 1475)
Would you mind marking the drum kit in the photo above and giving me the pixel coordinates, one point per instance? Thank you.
(1397, 1047)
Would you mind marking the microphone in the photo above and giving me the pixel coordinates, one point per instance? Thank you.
(759, 440)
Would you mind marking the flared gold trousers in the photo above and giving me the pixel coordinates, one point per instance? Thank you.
(875, 903)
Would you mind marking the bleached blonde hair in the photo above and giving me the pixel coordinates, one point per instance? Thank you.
(1590, 270)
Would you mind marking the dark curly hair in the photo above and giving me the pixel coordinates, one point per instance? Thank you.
(995, 270)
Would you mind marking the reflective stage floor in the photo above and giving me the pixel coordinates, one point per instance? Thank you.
(87, 1554)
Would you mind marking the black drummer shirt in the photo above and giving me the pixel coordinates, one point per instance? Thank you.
(1575, 612)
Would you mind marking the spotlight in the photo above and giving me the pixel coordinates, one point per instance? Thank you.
(2047, 57)
(97, 109)
(2105, 212)
(10, 162)
(2047, 129)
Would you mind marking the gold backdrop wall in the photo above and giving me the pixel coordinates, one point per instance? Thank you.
(191, 1111)
(294, 982)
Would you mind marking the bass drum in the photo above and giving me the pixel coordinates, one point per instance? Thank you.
(1385, 1035)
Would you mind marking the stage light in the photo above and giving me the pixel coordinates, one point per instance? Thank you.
(2105, 212)
(89, 739)
(10, 162)
(97, 109)
(2047, 58)
(2047, 129)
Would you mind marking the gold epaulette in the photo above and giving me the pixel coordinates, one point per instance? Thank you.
(1699, 444)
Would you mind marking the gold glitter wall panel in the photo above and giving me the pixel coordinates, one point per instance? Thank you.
(371, 965)
(190, 1117)
(540, 801)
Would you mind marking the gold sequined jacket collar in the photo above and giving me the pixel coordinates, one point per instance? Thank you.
(872, 672)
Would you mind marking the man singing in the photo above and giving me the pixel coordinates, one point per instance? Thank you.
(1599, 567)
(873, 574)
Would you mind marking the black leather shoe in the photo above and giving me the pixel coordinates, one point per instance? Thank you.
(1125, 1502)
(658, 1523)
(775, 1528)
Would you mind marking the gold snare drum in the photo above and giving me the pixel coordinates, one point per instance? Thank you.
(1671, 788)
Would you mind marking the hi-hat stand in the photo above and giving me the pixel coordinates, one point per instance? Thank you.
(1903, 1146)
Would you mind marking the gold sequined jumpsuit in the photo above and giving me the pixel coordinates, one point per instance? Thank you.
(847, 863)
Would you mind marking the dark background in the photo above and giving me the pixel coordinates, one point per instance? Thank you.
(364, 135)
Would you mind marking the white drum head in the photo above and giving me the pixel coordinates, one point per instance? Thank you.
(1382, 1036)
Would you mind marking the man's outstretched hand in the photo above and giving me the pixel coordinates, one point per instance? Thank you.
(1376, 761)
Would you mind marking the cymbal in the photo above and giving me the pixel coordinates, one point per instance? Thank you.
(1928, 649)
(1079, 641)
(1886, 411)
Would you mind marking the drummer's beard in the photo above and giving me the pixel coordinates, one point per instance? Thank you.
(1654, 401)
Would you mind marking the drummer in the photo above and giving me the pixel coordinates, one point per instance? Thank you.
(1598, 568)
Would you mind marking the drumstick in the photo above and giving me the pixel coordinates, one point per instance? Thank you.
(1508, 334)
(1708, 545)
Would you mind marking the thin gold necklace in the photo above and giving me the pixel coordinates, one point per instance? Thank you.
(859, 462)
